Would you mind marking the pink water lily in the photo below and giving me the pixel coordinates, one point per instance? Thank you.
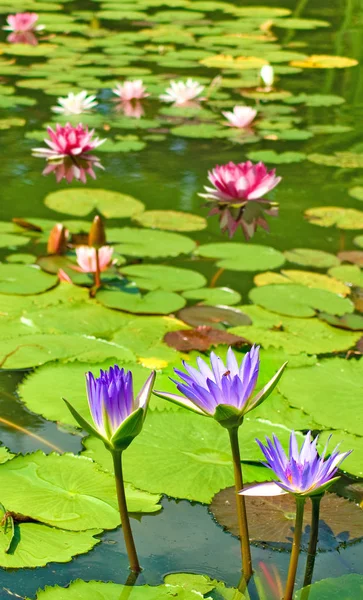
(241, 116)
(22, 22)
(68, 141)
(86, 258)
(131, 90)
(182, 93)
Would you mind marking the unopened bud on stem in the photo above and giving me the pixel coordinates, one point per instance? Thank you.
(97, 234)
(57, 241)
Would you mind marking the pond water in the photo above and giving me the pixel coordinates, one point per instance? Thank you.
(308, 128)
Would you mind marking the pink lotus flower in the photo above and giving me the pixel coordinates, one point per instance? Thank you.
(86, 258)
(70, 168)
(181, 93)
(133, 109)
(131, 90)
(26, 37)
(237, 196)
(241, 116)
(21, 22)
(68, 141)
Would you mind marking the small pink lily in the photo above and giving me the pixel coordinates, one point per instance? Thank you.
(241, 116)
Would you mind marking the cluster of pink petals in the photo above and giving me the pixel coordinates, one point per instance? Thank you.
(238, 183)
(241, 116)
(73, 168)
(22, 22)
(68, 141)
(130, 90)
(86, 258)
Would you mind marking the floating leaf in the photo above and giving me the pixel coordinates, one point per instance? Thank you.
(356, 192)
(352, 256)
(80, 202)
(242, 257)
(324, 61)
(349, 274)
(212, 316)
(342, 218)
(308, 257)
(213, 296)
(316, 100)
(271, 520)
(24, 279)
(345, 587)
(200, 339)
(171, 220)
(307, 278)
(157, 302)
(358, 240)
(147, 242)
(353, 463)
(299, 301)
(271, 156)
(226, 61)
(292, 23)
(346, 160)
(350, 322)
(200, 130)
(327, 129)
(80, 494)
(324, 389)
(162, 277)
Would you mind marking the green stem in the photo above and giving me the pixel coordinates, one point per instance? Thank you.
(125, 521)
(300, 503)
(241, 505)
(313, 542)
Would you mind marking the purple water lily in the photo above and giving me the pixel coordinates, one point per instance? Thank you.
(224, 392)
(302, 473)
(117, 415)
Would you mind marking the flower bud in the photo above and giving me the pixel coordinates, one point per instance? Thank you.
(97, 235)
(57, 241)
(267, 75)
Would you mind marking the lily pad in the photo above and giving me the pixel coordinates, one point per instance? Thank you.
(345, 587)
(307, 257)
(215, 316)
(349, 274)
(81, 202)
(293, 23)
(352, 464)
(345, 160)
(323, 389)
(157, 302)
(201, 339)
(350, 322)
(273, 157)
(162, 277)
(356, 192)
(352, 256)
(24, 279)
(324, 61)
(180, 446)
(36, 545)
(316, 100)
(213, 296)
(271, 520)
(81, 496)
(147, 242)
(306, 278)
(242, 257)
(342, 218)
(171, 220)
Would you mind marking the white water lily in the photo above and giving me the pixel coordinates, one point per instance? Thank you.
(267, 75)
(181, 92)
(75, 104)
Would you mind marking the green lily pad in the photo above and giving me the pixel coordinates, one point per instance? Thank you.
(271, 156)
(80, 495)
(307, 257)
(327, 129)
(345, 160)
(356, 192)
(292, 23)
(127, 143)
(342, 218)
(299, 301)
(350, 322)
(358, 240)
(242, 257)
(171, 220)
(10, 240)
(200, 131)
(316, 100)
(353, 463)
(157, 302)
(345, 587)
(294, 335)
(24, 279)
(214, 296)
(349, 274)
(323, 389)
(161, 277)
(147, 242)
(81, 202)
(180, 446)
(36, 545)
(21, 258)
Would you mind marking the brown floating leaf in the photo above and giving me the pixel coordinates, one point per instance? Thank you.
(352, 256)
(201, 339)
(271, 520)
(26, 224)
(216, 316)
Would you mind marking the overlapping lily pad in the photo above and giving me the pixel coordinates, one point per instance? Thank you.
(242, 257)
(81, 202)
(162, 277)
(171, 220)
(151, 243)
(344, 587)
(342, 218)
(24, 279)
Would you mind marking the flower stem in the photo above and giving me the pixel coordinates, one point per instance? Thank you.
(241, 505)
(289, 590)
(314, 533)
(125, 521)
(97, 272)
(215, 277)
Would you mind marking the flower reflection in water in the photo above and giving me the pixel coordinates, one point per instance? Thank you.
(133, 109)
(70, 168)
(25, 37)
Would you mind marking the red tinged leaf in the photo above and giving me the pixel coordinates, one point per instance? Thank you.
(201, 339)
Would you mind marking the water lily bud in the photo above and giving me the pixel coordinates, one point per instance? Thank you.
(57, 241)
(267, 75)
(97, 235)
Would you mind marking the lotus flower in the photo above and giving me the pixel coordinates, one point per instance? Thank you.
(182, 93)
(302, 473)
(133, 109)
(70, 168)
(224, 392)
(23, 22)
(241, 116)
(75, 104)
(130, 90)
(68, 141)
(237, 196)
(26, 37)
(86, 258)
(117, 416)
